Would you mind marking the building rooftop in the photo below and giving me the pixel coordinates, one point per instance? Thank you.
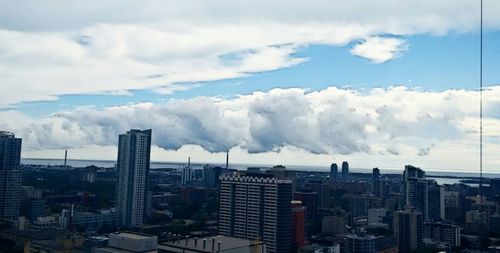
(6, 134)
(27, 234)
(129, 242)
(117, 250)
(315, 246)
(362, 236)
(206, 244)
(130, 235)
(267, 179)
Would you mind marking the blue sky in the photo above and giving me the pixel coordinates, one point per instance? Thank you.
(431, 63)
(276, 84)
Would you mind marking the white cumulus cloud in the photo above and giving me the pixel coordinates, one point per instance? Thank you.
(380, 49)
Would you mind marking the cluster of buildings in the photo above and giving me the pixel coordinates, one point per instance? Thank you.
(273, 210)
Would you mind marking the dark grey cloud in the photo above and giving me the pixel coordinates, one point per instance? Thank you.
(424, 151)
(393, 151)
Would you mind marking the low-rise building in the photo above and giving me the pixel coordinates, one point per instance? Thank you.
(361, 243)
(42, 223)
(335, 224)
(123, 242)
(442, 232)
(64, 244)
(379, 218)
(476, 220)
(95, 220)
(218, 243)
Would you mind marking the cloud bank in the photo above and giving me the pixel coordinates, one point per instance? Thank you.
(393, 121)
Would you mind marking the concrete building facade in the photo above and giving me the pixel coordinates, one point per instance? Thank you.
(257, 208)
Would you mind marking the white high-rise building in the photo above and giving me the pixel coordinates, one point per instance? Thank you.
(257, 208)
(134, 150)
(416, 190)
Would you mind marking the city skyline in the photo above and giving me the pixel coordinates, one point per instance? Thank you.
(128, 208)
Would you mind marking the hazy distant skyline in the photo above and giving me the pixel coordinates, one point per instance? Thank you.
(382, 83)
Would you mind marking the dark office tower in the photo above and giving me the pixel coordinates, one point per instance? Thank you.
(32, 203)
(211, 176)
(322, 189)
(257, 208)
(345, 169)
(134, 150)
(453, 204)
(375, 174)
(10, 175)
(408, 230)
(415, 190)
(434, 195)
(495, 186)
(33, 208)
(311, 200)
(334, 172)
(376, 184)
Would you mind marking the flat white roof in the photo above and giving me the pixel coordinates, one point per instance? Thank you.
(133, 235)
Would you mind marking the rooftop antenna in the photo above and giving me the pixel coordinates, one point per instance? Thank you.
(65, 158)
(481, 123)
(481, 109)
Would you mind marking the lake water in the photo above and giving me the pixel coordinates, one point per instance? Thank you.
(156, 165)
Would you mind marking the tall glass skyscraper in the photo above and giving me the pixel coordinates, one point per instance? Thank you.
(334, 172)
(345, 169)
(10, 175)
(134, 151)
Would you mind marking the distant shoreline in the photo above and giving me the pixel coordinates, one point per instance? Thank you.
(158, 164)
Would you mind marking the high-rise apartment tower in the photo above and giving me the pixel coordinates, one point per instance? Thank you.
(134, 149)
(416, 190)
(257, 208)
